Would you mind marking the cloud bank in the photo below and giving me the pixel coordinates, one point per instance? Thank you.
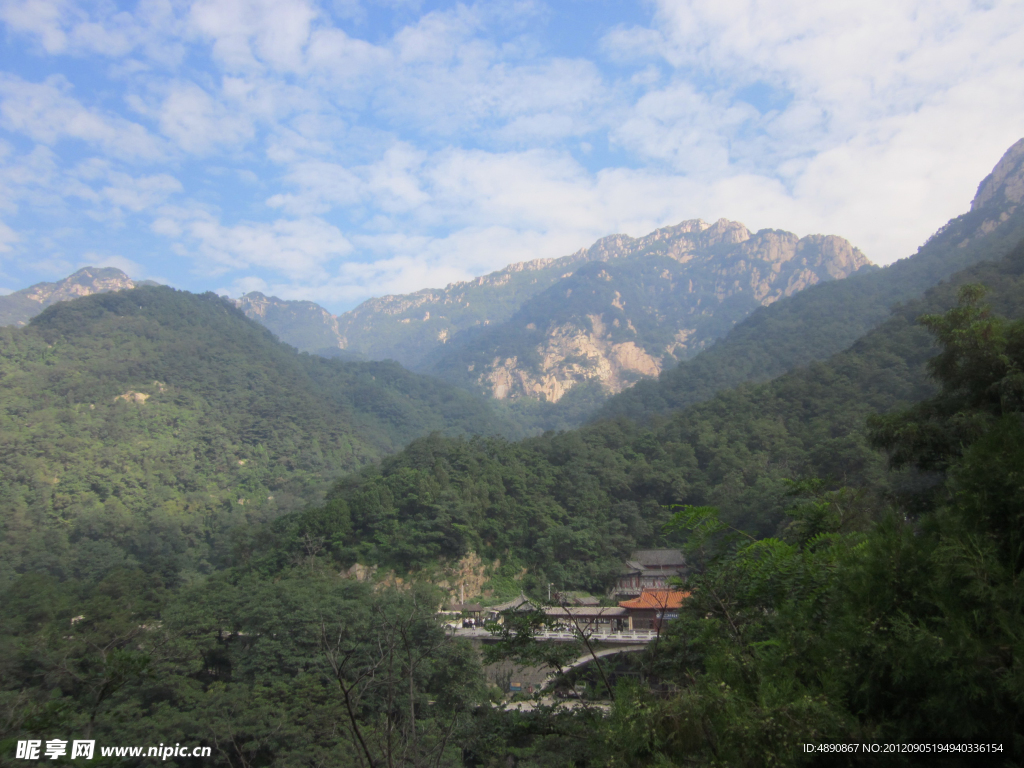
(338, 151)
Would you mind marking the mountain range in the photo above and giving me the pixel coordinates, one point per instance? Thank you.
(623, 309)
(210, 537)
(826, 319)
(666, 320)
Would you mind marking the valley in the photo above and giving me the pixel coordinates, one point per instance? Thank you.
(235, 522)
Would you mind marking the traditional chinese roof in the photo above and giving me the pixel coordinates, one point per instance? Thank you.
(586, 611)
(577, 598)
(663, 558)
(656, 600)
(466, 607)
(521, 603)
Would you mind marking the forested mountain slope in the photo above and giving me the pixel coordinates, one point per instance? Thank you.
(856, 625)
(569, 506)
(139, 426)
(826, 318)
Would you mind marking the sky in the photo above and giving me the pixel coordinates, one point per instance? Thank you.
(340, 150)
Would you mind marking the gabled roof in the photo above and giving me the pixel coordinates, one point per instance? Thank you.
(658, 557)
(656, 600)
(466, 607)
(521, 603)
(586, 611)
(577, 598)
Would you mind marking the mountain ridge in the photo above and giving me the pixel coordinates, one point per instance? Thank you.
(18, 307)
(826, 318)
(616, 321)
(604, 343)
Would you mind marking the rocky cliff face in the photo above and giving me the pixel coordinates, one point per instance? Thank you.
(650, 303)
(416, 328)
(303, 324)
(21, 306)
(1004, 187)
(410, 328)
(1000, 192)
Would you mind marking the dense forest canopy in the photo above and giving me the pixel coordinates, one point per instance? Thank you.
(572, 505)
(142, 426)
(859, 620)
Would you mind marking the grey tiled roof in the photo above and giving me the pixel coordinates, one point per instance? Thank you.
(520, 603)
(658, 557)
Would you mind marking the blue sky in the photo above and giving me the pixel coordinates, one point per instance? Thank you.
(340, 150)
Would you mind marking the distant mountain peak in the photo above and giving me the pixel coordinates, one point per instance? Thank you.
(21, 306)
(303, 324)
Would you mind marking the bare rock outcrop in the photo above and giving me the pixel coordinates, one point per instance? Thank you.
(649, 303)
(19, 307)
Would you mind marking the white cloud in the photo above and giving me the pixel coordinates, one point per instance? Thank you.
(38, 179)
(684, 127)
(47, 113)
(65, 27)
(322, 186)
(346, 62)
(7, 237)
(139, 193)
(446, 81)
(131, 268)
(297, 248)
(197, 123)
(249, 35)
(46, 20)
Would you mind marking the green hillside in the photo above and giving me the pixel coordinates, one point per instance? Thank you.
(569, 506)
(140, 426)
(832, 617)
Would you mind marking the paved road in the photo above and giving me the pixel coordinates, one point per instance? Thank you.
(629, 637)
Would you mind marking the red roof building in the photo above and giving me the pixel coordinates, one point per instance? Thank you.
(653, 607)
(649, 569)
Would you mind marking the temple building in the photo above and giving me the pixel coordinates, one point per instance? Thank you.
(649, 569)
